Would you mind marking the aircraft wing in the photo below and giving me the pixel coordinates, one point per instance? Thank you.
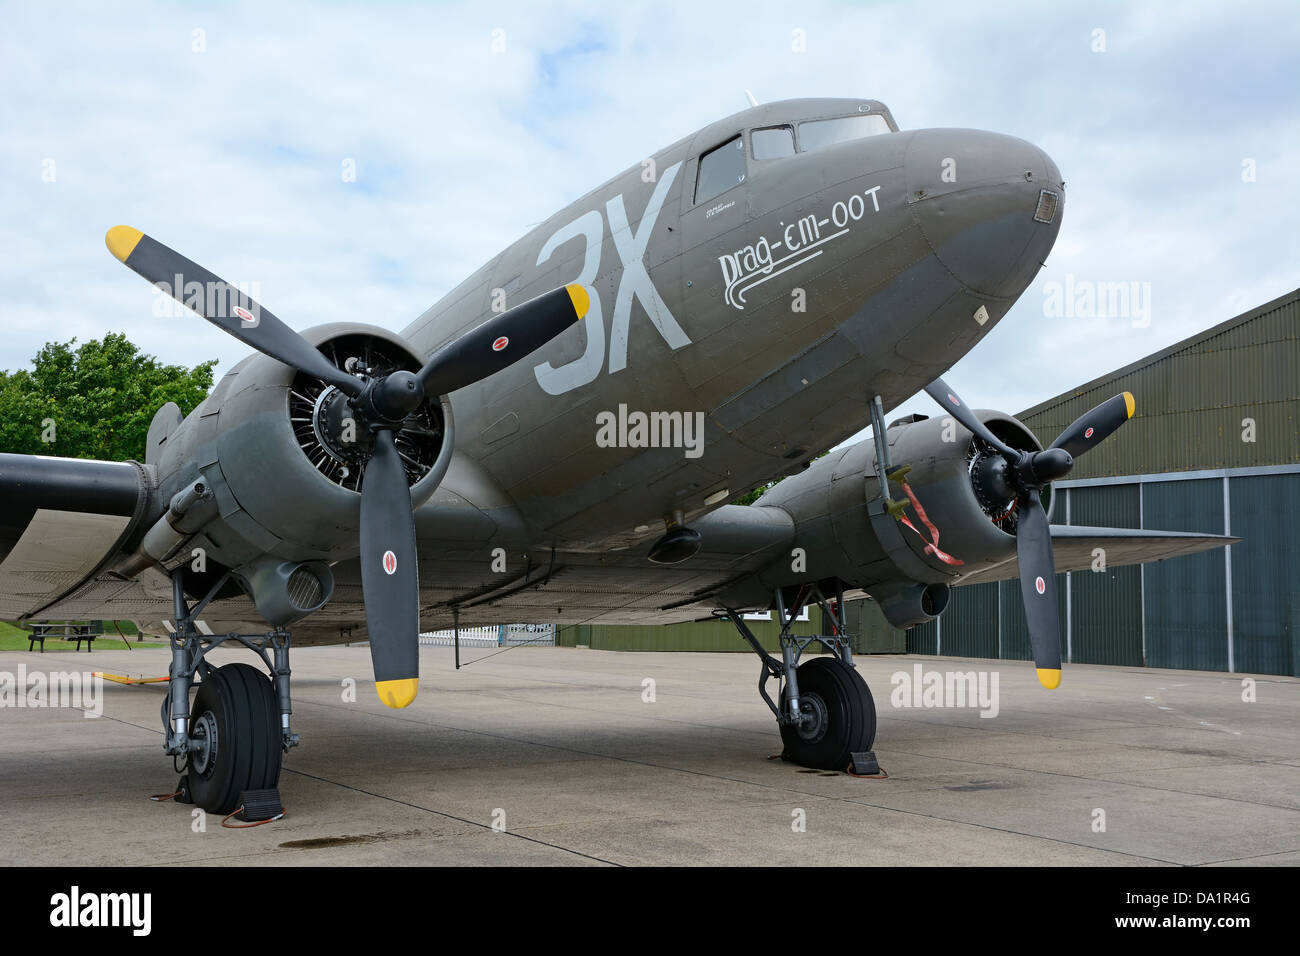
(63, 522)
(1073, 547)
(61, 519)
(64, 525)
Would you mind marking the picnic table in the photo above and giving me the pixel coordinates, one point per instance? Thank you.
(66, 630)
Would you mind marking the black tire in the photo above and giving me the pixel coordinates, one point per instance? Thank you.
(845, 716)
(238, 701)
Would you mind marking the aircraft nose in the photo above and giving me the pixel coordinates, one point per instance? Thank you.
(989, 205)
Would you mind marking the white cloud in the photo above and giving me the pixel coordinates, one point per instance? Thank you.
(233, 155)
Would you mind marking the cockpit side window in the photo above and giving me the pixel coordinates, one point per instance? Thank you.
(819, 133)
(720, 169)
(774, 142)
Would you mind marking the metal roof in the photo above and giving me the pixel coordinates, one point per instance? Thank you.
(1199, 401)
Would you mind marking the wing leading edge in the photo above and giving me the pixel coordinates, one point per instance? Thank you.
(60, 519)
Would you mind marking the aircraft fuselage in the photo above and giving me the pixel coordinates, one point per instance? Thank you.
(776, 306)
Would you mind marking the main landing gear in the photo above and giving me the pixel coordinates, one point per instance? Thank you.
(233, 735)
(826, 714)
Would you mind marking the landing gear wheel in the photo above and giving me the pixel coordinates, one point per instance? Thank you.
(235, 728)
(841, 716)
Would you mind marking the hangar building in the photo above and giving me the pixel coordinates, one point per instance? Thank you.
(1214, 447)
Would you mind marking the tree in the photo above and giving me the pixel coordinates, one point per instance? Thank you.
(749, 497)
(92, 402)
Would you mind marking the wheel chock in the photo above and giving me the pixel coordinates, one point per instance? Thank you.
(864, 764)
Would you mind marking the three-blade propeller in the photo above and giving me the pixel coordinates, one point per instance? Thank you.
(389, 574)
(1022, 475)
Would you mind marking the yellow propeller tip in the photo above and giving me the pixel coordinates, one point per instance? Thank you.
(1049, 677)
(1129, 403)
(581, 301)
(122, 240)
(397, 693)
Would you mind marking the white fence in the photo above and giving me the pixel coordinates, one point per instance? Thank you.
(505, 635)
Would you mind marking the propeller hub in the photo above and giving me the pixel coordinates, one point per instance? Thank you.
(993, 482)
(396, 395)
(338, 430)
(1034, 470)
(1051, 464)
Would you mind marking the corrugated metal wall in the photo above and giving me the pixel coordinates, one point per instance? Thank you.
(1183, 601)
(1265, 573)
(1105, 606)
(1192, 399)
(923, 639)
(870, 632)
(1186, 598)
(690, 636)
(970, 624)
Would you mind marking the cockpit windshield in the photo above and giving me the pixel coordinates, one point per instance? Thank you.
(818, 133)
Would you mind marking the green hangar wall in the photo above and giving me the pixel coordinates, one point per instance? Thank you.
(1214, 446)
(717, 635)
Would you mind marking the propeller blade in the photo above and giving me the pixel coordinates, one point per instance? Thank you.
(1038, 588)
(1097, 425)
(223, 305)
(948, 399)
(390, 580)
(503, 340)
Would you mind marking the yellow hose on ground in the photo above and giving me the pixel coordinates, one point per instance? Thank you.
(124, 679)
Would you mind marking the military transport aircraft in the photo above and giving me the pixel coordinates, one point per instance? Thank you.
(715, 317)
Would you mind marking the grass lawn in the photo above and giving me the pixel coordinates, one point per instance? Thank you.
(15, 638)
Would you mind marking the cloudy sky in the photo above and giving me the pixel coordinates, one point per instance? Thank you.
(223, 130)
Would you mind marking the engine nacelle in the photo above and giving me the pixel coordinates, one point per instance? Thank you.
(960, 517)
(279, 450)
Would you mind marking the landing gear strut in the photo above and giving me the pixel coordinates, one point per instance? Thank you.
(234, 734)
(826, 713)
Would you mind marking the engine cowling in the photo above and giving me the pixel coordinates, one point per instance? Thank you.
(960, 516)
(280, 452)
